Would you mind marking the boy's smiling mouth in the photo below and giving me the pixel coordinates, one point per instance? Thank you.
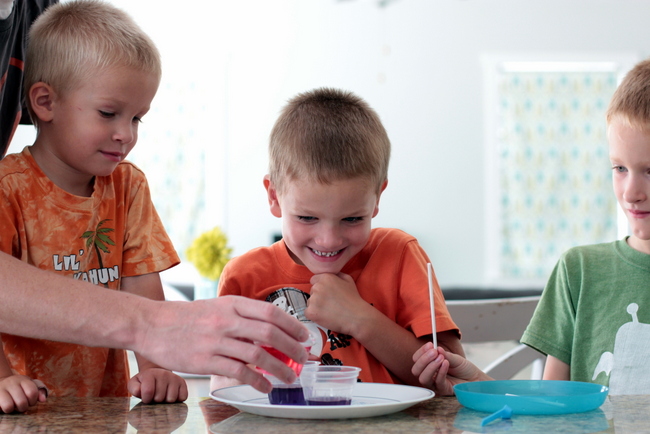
(113, 156)
(638, 213)
(325, 254)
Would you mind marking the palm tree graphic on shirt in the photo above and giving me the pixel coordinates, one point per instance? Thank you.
(99, 240)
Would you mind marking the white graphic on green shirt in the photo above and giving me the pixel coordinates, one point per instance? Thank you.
(628, 363)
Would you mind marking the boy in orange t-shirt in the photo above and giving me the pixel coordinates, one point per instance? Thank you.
(72, 205)
(364, 291)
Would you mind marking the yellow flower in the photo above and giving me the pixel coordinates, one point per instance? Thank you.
(209, 253)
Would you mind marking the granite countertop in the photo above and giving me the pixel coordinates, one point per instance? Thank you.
(203, 415)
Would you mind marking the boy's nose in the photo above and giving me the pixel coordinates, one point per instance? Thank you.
(329, 237)
(125, 133)
(635, 190)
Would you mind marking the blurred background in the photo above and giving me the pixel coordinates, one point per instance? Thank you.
(495, 110)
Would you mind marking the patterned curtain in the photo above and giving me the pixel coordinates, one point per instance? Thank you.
(554, 176)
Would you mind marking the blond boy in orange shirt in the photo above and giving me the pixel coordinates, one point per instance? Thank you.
(73, 206)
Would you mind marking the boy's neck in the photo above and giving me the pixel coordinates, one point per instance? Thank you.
(638, 244)
(61, 175)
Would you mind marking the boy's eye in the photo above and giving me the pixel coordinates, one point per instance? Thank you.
(137, 120)
(619, 169)
(353, 219)
(106, 114)
(305, 218)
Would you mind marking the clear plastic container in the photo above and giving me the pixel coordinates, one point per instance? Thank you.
(329, 385)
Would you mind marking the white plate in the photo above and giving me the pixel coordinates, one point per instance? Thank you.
(369, 399)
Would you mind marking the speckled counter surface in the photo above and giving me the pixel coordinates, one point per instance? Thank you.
(620, 414)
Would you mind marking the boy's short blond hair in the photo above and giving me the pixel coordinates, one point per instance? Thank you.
(327, 135)
(631, 100)
(73, 40)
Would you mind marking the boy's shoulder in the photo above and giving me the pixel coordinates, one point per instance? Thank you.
(15, 165)
(257, 259)
(126, 166)
(263, 264)
(390, 236)
(127, 174)
(602, 258)
(592, 251)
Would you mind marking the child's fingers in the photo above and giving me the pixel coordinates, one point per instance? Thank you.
(43, 391)
(425, 355)
(173, 389)
(443, 386)
(426, 368)
(430, 372)
(147, 387)
(174, 393)
(18, 393)
(25, 392)
(17, 399)
(135, 387)
(6, 402)
(161, 390)
(182, 392)
(159, 385)
(423, 349)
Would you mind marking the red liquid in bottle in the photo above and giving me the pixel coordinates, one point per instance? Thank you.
(295, 366)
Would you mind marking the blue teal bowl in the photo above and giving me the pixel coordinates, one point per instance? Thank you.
(531, 396)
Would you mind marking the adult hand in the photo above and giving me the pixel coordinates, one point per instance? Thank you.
(215, 337)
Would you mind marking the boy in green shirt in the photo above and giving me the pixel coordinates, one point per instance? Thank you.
(593, 320)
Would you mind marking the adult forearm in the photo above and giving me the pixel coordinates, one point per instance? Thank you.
(39, 304)
(203, 337)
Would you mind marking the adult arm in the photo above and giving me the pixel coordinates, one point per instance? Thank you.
(202, 337)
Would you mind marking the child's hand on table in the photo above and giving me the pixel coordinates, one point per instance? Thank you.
(18, 393)
(440, 370)
(155, 385)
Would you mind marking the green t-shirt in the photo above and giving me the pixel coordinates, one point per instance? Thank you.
(594, 315)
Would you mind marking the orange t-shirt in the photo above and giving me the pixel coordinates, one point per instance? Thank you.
(390, 273)
(114, 233)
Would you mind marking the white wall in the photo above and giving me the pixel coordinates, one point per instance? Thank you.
(417, 62)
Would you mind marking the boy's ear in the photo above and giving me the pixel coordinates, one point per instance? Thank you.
(41, 96)
(272, 195)
(381, 190)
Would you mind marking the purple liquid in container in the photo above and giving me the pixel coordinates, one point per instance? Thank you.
(286, 396)
(334, 400)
